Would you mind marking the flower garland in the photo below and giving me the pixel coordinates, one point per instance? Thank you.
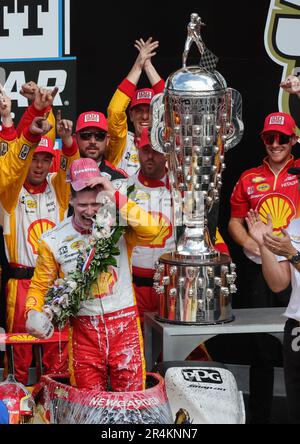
(64, 298)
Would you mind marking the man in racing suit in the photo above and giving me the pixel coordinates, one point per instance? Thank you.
(268, 189)
(91, 138)
(106, 333)
(36, 202)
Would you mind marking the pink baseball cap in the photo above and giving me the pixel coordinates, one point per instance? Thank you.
(91, 119)
(81, 171)
(144, 139)
(142, 97)
(280, 122)
(45, 146)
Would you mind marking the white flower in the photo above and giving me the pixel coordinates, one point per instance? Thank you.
(64, 301)
(72, 285)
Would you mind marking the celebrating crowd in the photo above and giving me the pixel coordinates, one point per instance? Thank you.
(50, 200)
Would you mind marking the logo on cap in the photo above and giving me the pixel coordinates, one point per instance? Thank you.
(144, 95)
(44, 142)
(277, 120)
(91, 118)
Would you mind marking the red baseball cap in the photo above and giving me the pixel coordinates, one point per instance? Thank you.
(91, 119)
(142, 97)
(144, 139)
(81, 171)
(45, 146)
(280, 122)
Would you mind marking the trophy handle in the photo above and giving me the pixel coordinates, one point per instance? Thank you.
(236, 130)
(157, 111)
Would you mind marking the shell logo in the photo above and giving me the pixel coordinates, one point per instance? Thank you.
(77, 245)
(281, 209)
(22, 338)
(35, 231)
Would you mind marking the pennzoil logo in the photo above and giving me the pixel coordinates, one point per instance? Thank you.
(77, 245)
(281, 209)
(36, 230)
(23, 338)
(263, 187)
(282, 37)
(32, 204)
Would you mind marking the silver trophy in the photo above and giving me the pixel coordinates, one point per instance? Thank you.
(195, 121)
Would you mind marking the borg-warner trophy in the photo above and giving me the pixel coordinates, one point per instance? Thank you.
(194, 122)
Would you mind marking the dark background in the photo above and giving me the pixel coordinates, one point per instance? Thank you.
(103, 36)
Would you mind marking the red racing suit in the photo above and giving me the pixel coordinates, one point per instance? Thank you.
(105, 338)
(269, 193)
(26, 212)
(122, 151)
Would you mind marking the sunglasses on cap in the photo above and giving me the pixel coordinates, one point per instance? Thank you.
(280, 138)
(87, 135)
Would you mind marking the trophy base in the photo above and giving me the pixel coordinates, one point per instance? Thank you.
(193, 291)
(167, 321)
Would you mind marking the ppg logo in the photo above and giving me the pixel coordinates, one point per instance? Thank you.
(202, 375)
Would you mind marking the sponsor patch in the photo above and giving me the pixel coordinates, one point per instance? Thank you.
(77, 245)
(63, 163)
(44, 142)
(63, 250)
(258, 179)
(277, 120)
(24, 152)
(263, 187)
(91, 118)
(144, 95)
(3, 148)
(31, 204)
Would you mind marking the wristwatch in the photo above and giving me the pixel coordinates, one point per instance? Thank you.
(294, 259)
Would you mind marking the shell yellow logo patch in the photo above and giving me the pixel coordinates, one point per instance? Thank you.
(31, 204)
(35, 231)
(77, 245)
(263, 187)
(281, 209)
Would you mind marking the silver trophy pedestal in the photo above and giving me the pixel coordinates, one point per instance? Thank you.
(193, 291)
